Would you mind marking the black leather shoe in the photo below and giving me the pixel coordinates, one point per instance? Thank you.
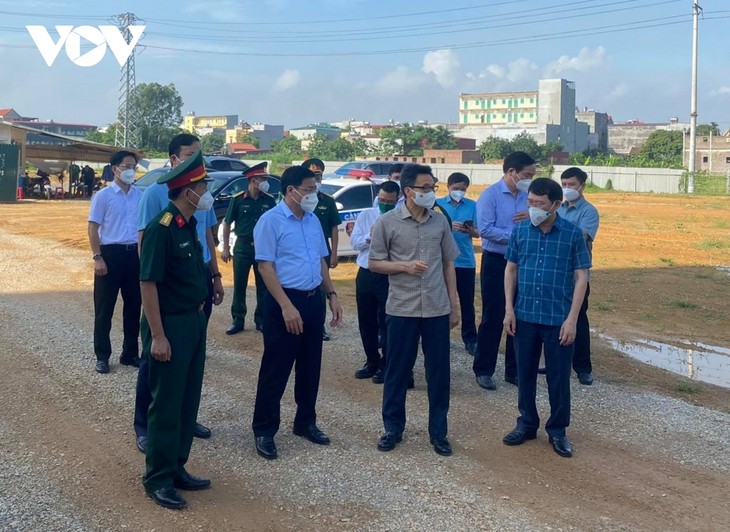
(379, 376)
(365, 372)
(388, 441)
(201, 431)
(142, 444)
(561, 445)
(129, 361)
(585, 379)
(411, 382)
(486, 382)
(313, 434)
(441, 446)
(188, 482)
(234, 329)
(542, 370)
(325, 336)
(519, 436)
(266, 447)
(167, 497)
(511, 380)
(102, 366)
(471, 348)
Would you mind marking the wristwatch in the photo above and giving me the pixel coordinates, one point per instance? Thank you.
(96, 256)
(330, 294)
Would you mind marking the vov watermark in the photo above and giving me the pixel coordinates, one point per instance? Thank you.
(70, 36)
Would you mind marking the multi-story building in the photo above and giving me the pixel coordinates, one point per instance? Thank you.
(264, 133)
(60, 128)
(632, 134)
(498, 108)
(597, 128)
(202, 125)
(307, 133)
(712, 153)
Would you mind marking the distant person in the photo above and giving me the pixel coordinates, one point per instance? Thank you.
(290, 250)
(544, 284)
(371, 288)
(579, 211)
(394, 175)
(328, 216)
(113, 240)
(499, 208)
(413, 245)
(244, 211)
(106, 174)
(463, 213)
(89, 176)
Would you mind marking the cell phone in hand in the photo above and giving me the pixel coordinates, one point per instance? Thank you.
(468, 224)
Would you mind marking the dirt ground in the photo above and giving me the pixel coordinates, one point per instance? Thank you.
(655, 276)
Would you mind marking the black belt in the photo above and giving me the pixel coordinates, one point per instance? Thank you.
(301, 293)
(494, 254)
(120, 247)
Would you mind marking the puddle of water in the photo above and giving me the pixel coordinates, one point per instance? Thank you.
(698, 361)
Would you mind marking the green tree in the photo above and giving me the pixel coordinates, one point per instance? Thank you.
(361, 147)
(289, 145)
(159, 108)
(212, 143)
(106, 137)
(412, 140)
(524, 142)
(495, 148)
(550, 147)
(663, 148)
(248, 138)
(708, 129)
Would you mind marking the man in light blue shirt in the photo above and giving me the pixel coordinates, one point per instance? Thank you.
(463, 214)
(499, 208)
(578, 210)
(155, 199)
(291, 252)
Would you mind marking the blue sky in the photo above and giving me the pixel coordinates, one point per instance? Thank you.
(292, 62)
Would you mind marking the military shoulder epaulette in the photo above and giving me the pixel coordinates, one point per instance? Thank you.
(166, 219)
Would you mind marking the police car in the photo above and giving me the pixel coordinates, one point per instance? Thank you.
(352, 197)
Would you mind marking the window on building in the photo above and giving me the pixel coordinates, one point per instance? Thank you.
(504, 101)
(433, 160)
(704, 158)
(532, 100)
(727, 160)
(522, 100)
(704, 139)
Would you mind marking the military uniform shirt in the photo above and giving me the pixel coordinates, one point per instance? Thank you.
(328, 215)
(172, 257)
(245, 211)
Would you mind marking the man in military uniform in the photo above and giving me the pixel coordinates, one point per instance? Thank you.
(329, 217)
(245, 210)
(174, 286)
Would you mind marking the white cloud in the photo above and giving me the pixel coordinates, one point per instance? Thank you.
(399, 81)
(619, 91)
(585, 61)
(516, 72)
(723, 90)
(287, 81)
(444, 65)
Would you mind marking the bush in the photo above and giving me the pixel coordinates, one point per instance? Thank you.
(609, 185)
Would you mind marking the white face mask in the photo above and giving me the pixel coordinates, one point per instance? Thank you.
(537, 215)
(308, 202)
(523, 185)
(205, 202)
(127, 176)
(457, 195)
(425, 200)
(264, 186)
(570, 194)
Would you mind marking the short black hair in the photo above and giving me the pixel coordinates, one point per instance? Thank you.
(389, 187)
(544, 186)
(517, 160)
(178, 141)
(118, 157)
(397, 168)
(173, 193)
(410, 173)
(294, 175)
(458, 177)
(313, 161)
(576, 172)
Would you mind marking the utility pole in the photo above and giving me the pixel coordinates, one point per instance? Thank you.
(126, 134)
(696, 9)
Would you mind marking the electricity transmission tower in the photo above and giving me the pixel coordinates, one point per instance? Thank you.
(126, 134)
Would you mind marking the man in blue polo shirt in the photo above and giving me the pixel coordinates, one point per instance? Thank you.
(547, 269)
(463, 214)
(291, 252)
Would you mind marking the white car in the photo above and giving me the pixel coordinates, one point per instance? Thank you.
(352, 197)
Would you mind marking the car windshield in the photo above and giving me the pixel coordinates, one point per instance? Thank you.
(151, 177)
(330, 189)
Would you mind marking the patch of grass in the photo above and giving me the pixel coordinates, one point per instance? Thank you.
(704, 275)
(667, 260)
(649, 316)
(683, 304)
(715, 243)
(604, 307)
(689, 388)
(720, 224)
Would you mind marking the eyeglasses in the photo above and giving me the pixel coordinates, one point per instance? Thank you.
(427, 189)
(539, 205)
(305, 191)
(127, 167)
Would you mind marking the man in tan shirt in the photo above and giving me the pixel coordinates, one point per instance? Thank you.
(414, 246)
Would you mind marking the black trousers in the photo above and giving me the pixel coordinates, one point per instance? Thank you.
(371, 293)
(122, 264)
(465, 286)
(283, 350)
(143, 395)
(490, 328)
(530, 340)
(582, 352)
(401, 352)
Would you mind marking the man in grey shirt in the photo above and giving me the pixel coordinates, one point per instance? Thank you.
(414, 246)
